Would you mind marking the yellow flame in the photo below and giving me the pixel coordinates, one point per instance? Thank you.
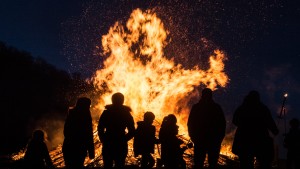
(137, 67)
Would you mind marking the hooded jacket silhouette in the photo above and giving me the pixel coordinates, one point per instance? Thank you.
(113, 122)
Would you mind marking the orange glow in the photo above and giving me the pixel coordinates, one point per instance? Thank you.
(138, 68)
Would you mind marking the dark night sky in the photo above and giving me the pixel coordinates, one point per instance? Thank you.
(260, 37)
(35, 26)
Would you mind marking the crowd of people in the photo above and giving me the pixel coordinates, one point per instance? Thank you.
(206, 127)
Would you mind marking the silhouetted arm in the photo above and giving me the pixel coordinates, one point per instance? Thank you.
(46, 155)
(191, 122)
(153, 134)
(271, 123)
(67, 127)
(222, 121)
(130, 127)
(91, 148)
(102, 125)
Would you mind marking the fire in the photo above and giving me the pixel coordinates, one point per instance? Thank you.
(137, 67)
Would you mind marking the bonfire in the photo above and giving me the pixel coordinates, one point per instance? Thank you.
(135, 65)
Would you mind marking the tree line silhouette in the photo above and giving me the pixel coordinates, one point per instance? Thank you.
(31, 89)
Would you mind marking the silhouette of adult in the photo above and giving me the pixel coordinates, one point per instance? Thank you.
(37, 154)
(292, 143)
(113, 122)
(171, 151)
(78, 132)
(206, 127)
(254, 121)
(144, 140)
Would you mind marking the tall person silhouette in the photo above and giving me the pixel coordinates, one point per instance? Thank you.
(78, 132)
(112, 126)
(206, 127)
(254, 121)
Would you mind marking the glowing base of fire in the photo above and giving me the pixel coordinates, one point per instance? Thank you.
(58, 160)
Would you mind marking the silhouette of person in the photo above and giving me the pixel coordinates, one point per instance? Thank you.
(254, 121)
(171, 151)
(37, 154)
(144, 140)
(206, 128)
(113, 122)
(292, 143)
(78, 132)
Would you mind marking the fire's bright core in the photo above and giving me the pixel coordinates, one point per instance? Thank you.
(137, 67)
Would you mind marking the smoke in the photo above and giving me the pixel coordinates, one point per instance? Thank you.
(53, 128)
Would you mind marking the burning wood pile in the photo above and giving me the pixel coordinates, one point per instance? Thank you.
(226, 158)
(131, 160)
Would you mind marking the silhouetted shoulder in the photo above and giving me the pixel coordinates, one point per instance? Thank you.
(109, 106)
(122, 107)
(265, 108)
(127, 108)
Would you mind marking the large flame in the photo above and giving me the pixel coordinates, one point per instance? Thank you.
(138, 68)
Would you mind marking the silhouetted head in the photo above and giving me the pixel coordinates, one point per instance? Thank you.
(206, 93)
(117, 99)
(83, 103)
(253, 97)
(294, 123)
(38, 135)
(149, 117)
(171, 119)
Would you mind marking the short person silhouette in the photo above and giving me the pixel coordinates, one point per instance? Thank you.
(37, 154)
(171, 150)
(144, 140)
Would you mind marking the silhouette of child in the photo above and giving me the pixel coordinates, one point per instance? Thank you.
(292, 143)
(37, 154)
(144, 140)
(171, 151)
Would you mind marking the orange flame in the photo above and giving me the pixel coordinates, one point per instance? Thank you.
(137, 67)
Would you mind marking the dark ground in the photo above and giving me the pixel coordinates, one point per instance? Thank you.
(5, 163)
